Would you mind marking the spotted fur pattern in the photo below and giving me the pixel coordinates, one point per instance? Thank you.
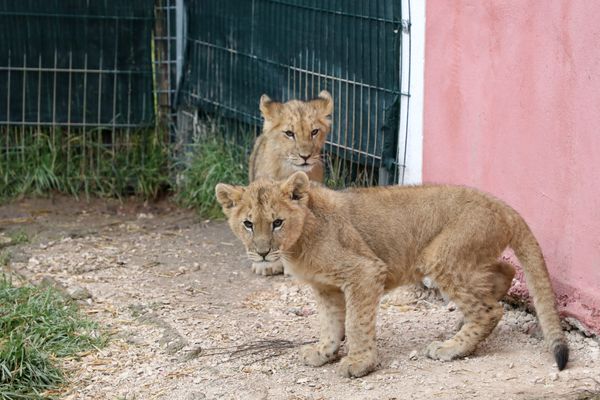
(352, 246)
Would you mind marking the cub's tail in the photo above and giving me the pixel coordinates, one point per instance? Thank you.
(530, 255)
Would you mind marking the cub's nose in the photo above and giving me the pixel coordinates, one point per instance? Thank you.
(305, 157)
(263, 254)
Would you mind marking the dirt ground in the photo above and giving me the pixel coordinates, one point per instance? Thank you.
(188, 320)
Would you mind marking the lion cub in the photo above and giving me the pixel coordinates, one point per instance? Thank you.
(352, 246)
(293, 136)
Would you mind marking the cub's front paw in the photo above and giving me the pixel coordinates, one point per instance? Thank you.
(444, 351)
(266, 268)
(354, 367)
(313, 355)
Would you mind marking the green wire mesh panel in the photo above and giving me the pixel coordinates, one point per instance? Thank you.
(76, 63)
(77, 101)
(239, 49)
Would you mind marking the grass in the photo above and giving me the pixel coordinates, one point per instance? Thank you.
(115, 164)
(213, 160)
(342, 173)
(38, 328)
(17, 237)
(95, 162)
(5, 257)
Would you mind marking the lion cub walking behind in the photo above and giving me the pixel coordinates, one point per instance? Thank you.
(352, 246)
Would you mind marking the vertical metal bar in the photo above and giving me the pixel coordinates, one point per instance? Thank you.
(69, 101)
(346, 103)
(84, 139)
(294, 79)
(54, 97)
(379, 69)
(306, 69)
(114, 108)
(168, 58)
(39, 95)
(128, 131)
(180, 21)
(404, 91)
(377, 129)
(361, 111)
(339, 101)
(23, 108)
(99, 116)
(289, 82)
(8, 133)
(352, 142)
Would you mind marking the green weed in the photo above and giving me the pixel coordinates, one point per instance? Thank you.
(38, 327)
(5, 257)
(17, 237)
(213, 160)
(98, 162)
(342, 173)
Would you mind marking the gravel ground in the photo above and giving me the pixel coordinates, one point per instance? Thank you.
(189, 320)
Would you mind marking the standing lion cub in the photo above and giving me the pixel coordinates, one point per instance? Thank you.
(352, 246)
(293, 136)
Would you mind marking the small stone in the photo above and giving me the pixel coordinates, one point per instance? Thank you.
(511, 366)
(413, 355)
(195, 396)
(451, 306)
(368, 386)
(302, 381)
(537, 380)
(428, 282)
(553, 376)
(78, 293)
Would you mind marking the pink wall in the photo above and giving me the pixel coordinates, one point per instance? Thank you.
(512, 106)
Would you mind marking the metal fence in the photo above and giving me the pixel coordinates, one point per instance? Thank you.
(82, 77)
(92, 75)
(238, 50)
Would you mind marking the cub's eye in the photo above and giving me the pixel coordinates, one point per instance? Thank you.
(248, 224)
(289, 134)
(277, 223)
(314, 133)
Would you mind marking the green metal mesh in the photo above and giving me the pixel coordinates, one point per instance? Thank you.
(239, 49)
(78, 63)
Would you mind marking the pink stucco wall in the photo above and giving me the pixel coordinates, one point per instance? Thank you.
(512, 106)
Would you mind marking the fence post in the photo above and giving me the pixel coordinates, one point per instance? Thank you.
(180, 35)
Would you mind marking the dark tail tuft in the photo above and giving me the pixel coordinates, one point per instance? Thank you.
(561, 353)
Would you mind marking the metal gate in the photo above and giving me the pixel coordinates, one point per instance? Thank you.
(236, 50)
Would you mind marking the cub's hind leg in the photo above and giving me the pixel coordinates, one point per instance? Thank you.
(481, 315)
(502, 274)
(332, 316)
(462, 260)
(477, 294)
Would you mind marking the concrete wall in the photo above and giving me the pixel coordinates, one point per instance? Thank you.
(512, 106)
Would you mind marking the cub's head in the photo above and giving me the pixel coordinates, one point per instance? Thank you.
(299, 128)
(267, 216)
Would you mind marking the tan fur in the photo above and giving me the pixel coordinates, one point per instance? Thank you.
(352, 246)
(276, 156)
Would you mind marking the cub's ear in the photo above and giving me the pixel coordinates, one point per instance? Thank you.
(228, 196)
(296, 186)
(269, 108)
(324, 103)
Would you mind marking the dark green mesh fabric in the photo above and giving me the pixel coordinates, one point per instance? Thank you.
(73, 61)
(240, 49)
